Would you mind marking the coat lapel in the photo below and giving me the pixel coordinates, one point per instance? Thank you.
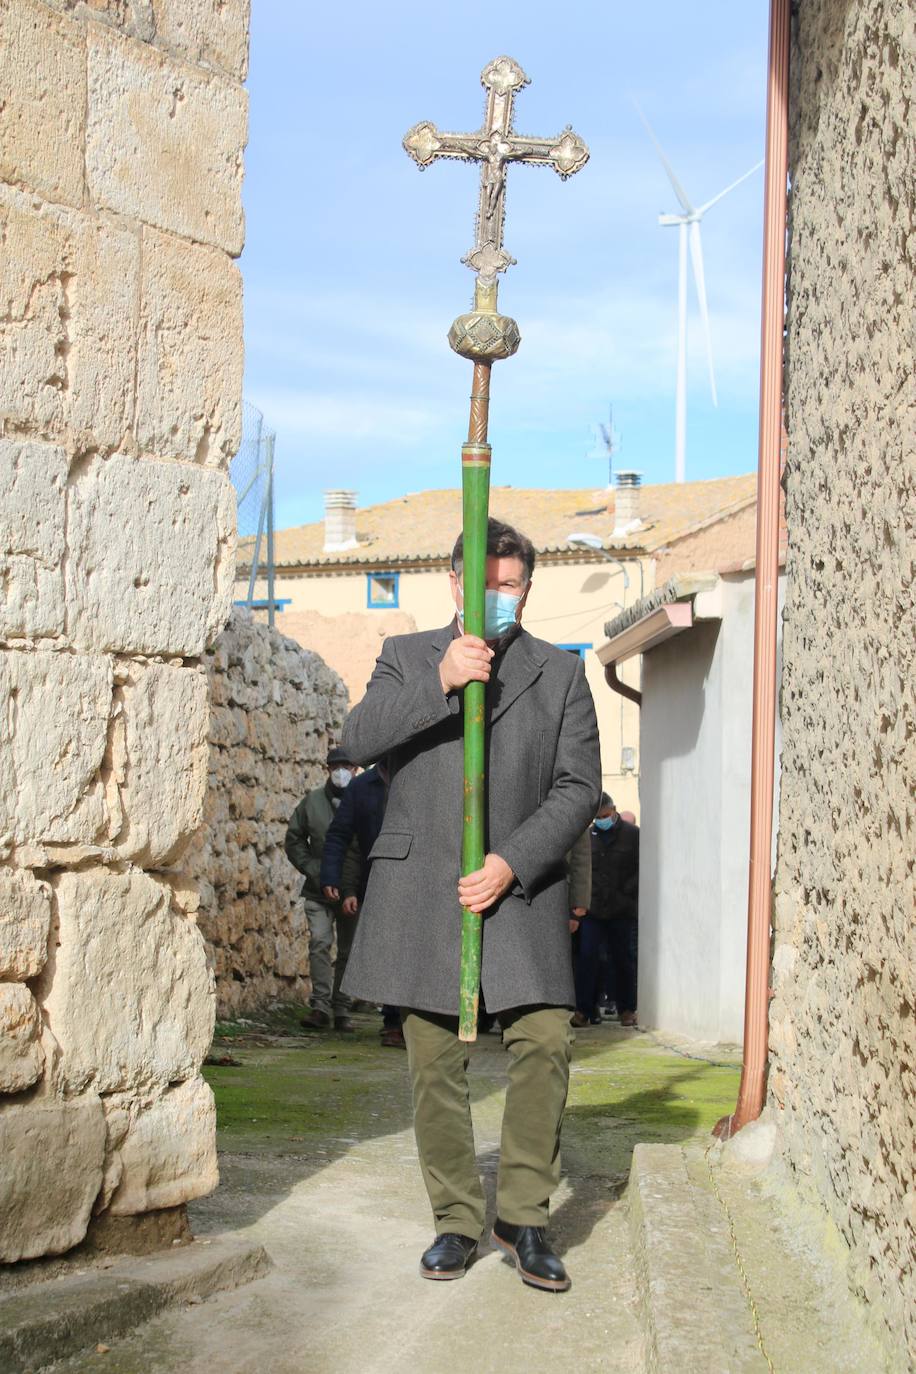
(438, 643)
(518, 668)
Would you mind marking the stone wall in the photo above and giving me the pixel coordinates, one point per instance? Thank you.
(843, 1030)
(122, 127)
(275, 710)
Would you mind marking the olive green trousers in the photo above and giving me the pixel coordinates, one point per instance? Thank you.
(538, 1041)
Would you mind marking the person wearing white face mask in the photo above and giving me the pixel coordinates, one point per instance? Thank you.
(304, 845)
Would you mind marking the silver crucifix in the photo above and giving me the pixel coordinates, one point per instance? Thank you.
(494, 146)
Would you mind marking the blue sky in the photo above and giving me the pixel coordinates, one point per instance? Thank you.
(352, 262)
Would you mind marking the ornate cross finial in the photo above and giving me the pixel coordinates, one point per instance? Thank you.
(494, 146)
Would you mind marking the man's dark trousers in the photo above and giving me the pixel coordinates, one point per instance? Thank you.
(538, 1041)
(591, 963)
(623, 943)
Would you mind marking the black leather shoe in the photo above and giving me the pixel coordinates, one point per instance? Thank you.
(535, 1261)
(447, 1257)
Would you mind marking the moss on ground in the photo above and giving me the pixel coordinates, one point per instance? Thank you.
(292, 1092)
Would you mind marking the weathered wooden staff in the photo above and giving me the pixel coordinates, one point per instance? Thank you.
(483, 336)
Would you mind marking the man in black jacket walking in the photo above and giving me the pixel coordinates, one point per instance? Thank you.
(609, 932)
(305, 838)
(359, 817)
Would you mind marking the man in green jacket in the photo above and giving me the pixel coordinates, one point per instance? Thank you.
(304, 845)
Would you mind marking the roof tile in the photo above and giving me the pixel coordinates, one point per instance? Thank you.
(423, 526)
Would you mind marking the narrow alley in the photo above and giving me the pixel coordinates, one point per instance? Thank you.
(318, 1163)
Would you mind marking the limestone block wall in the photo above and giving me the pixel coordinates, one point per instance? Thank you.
(122, 127)
(843, 1030)
(275, 708)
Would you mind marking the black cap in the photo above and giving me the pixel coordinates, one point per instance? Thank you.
(337, 755)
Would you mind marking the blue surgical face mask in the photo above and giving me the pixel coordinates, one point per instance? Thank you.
(499, 613)
(605, 822)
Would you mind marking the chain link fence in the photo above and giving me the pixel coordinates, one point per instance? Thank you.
(252, 474)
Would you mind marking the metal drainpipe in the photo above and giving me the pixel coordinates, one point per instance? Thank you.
(613, 681)
(763, 730)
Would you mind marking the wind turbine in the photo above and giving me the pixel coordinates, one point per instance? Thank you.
(688, 226)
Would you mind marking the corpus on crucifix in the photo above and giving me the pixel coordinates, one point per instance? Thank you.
(483, 336)
(495, 145)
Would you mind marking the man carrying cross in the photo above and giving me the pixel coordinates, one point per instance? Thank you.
(492, 754)
(544, 782)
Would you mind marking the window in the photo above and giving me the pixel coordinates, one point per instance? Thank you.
(382, 590)
(578, 649)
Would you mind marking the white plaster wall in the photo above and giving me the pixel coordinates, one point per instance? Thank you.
(679, 897)
(696, 770)
(735, 718)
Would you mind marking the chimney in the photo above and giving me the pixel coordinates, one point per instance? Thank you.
(627, 503)
(339, 521)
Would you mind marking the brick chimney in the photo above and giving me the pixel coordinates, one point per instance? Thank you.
(339, 521)
(627, 502)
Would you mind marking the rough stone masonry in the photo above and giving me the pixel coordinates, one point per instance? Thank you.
(275, 708)
(842, 1024)
(122, 129)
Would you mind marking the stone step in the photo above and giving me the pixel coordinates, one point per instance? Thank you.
(46, 1322)
(736, 1275)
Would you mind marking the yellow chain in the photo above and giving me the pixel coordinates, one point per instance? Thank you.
(745, 1282)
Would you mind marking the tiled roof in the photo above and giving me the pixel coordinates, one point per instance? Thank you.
(422, 526)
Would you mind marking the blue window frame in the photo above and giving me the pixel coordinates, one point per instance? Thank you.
(382, 591)
(579, 649)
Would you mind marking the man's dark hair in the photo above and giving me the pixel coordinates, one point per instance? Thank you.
(605, 804)
(502, 542)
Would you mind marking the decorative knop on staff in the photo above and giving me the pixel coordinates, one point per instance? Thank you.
(483, 336)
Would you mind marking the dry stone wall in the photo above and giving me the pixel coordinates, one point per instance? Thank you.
(275, 708)
(122, 127)
(842, 1025)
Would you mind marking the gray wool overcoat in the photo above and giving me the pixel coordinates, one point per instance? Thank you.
(544, 785)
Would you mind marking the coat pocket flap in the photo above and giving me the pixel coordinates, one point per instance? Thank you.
(392, 844)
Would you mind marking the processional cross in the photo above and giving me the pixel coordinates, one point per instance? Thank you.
(483, 336)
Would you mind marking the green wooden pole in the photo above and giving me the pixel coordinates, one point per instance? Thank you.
(483, 336)
(475, 482)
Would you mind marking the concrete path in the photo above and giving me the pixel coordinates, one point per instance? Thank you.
(319, 1165)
